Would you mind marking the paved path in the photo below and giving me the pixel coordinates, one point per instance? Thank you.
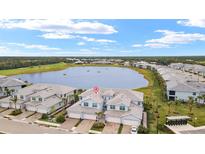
(85, 126)
(111, 128)
(69, 123)
(126, 129)
(13, 127)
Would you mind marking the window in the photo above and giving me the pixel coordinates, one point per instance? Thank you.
(171, 98)
(94, 105)
(40, 99)
(33, 98)
(64, 95)
(194, 93)
(112, 107)
(171, 92)
(85, 103)
(122, 108)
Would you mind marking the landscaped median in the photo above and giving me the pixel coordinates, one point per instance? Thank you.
(154, 100)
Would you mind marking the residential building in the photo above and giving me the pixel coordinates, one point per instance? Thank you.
(10, 85)
(118, 105)
(42, 98)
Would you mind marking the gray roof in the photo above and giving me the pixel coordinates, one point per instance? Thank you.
(120, 99)
(79, 109)
(10, 82)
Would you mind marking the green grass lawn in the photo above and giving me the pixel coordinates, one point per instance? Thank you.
(35, 69)
(154, 92)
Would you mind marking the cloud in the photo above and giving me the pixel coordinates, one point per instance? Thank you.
(172, 37)
(156, 45)
(56, 36)
(137, 45)
(59, 26)
(192, 23)
(35, 46)
(89, 39)
(81, 43)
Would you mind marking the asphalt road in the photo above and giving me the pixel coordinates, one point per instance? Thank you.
(13, 127)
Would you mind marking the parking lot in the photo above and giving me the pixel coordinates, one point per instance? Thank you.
(126, 129)
(84, 126)
(111, 128)
(69, 123)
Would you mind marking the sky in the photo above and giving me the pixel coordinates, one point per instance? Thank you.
(65, 37)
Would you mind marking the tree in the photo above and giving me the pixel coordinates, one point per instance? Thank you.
(99, 115)
(169, 105)
(190, 103)
(60, 118)
(13, 100)
(200, 99)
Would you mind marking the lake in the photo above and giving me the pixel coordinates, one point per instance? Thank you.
(88, 77)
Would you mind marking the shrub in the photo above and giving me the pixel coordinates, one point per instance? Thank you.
(60, 119)
(142, 130)
(16, 112)
(44, 117)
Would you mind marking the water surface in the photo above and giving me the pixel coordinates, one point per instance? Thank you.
(87, 77)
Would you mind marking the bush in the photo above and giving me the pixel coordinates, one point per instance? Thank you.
(16, 112)
(98, 126)
(60, 119)
(142, 130)
(44, 117)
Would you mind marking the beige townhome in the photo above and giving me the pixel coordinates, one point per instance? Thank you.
(42, 98)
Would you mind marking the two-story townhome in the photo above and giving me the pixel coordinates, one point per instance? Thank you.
(87, 107)
(42, 98)
(10, 85)
(118, 105)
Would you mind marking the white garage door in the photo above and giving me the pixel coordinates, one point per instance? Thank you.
(42, 110)
(89, 116)
(130, 122)
(74, 115)
(31, 108)
(112, 119)
(6, 105)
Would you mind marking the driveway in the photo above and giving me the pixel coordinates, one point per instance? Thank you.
(2, 109)
(23, 115)
(33, 118)
(111, 128)
(7, 112)
(69, 123)
(85, 126)
(14, 127)
(126, 129)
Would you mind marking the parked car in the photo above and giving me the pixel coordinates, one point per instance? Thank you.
(133, 130)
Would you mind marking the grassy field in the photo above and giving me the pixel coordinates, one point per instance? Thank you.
(35, 69)
(153, 94)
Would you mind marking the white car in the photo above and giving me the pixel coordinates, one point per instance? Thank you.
(133, 130)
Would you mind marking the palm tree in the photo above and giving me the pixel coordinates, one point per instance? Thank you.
(169, 105)
(190, 102)
(14, 100)
(200, 99)
(99, 115)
